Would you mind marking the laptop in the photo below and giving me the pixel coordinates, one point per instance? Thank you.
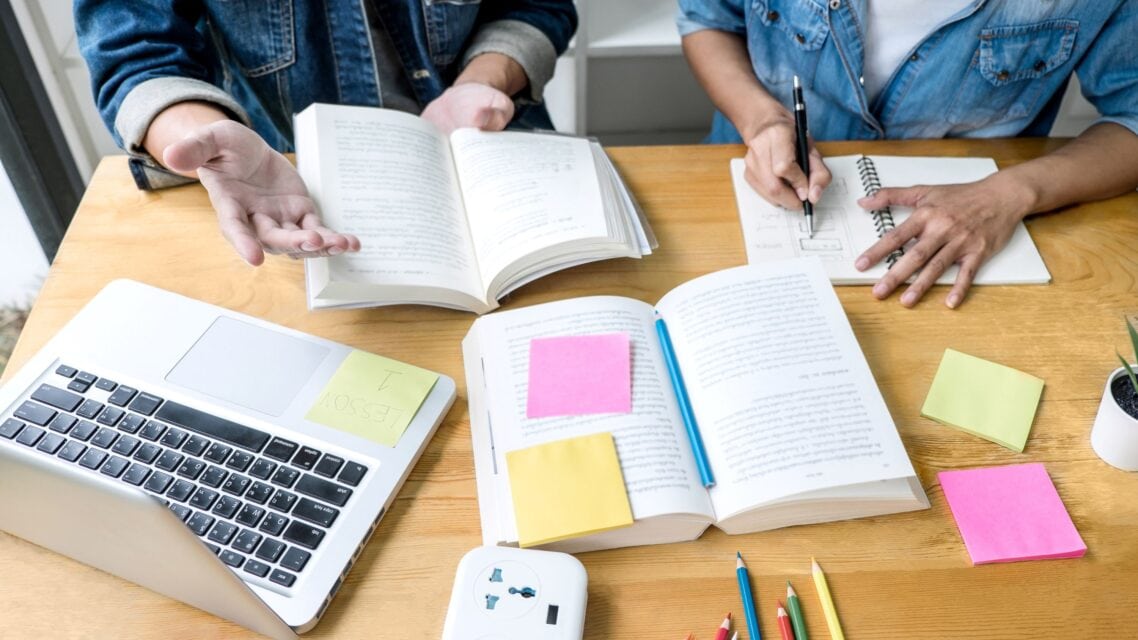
(163, 440)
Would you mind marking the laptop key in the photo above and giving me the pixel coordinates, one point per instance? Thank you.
(122, 396)
(204, 498)
(174, 438)
(126, 445)
(10, 428)
(115, 466)
(158, 482)
(227, 506)
(321, 489)
(285, 477)
(147, 453)
(283, 578)
(222, 532)
(196, 445)
(85, 377)
(262, 469)
(132, 423)
(84, 430)
(329, 465)
(246, 541)
(199, 523)
(250, 515)
(66, 371)
(306, 458)
(315, 512)
(79, 386)
(136, 474)
(236, 484)
(181, 490)
(152, 430)
(240, 460)
(181, 511)
(35, 413)
(259, 569)
(30, 436)
(51, 443)
(72, 450)
(93, 459)
(274, 523)
(89, 409)
(282, 501)
(214, 476)
(110, 416)
(213, 426)
(191, 468)
(218, 452)
(259, 493)
(270, 550)
(62, 423)
(58, 398)
(232, 559)
(280, 449)
(105, 437)
(169, 460)
(295, 559)
(303, 534)
(106, 385)
(145, 403)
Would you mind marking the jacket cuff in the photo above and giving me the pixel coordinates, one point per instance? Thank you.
(144, 103)
(522, 42)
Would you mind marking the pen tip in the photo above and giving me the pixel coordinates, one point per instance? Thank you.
(796, 85)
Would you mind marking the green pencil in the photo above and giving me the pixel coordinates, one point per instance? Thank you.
(796, 619)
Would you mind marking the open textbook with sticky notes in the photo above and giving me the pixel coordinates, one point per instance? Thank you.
(843, 230)
(455, 221)
(794, 426)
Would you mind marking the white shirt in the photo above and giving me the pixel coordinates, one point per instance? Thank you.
(893, 28)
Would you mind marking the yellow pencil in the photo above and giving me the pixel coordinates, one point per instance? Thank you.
(827, 601)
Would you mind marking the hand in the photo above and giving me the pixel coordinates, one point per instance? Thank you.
(961, 224)
(772, 166)
(262, 204)
(471, 104)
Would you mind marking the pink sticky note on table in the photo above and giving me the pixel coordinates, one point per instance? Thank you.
(579, 375)
(1012, 513)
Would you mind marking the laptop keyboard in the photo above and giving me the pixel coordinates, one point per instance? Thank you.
(263, 504)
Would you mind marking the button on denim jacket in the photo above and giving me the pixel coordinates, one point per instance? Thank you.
(275, 57)
(993, 69)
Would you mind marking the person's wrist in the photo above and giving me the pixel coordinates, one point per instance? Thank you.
(494, 70)
(1020, 197)
(176, 122)
(761, 117)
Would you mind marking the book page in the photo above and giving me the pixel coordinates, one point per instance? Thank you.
(781, 391)
(388, 178)
(654, 452)
(524, 192)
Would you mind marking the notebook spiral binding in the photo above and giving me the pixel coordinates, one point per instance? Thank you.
(883, 217)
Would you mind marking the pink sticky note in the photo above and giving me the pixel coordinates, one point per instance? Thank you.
(578, 375)
(1012, 513)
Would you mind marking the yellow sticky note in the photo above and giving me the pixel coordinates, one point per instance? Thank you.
(373, 397)
(983, 398)
(567, 488)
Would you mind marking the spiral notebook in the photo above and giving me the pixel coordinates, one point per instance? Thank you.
(843, 230)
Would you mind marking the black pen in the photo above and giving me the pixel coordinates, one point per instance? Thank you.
(802, 140)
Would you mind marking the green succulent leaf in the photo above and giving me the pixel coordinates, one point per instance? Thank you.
(1129, 371)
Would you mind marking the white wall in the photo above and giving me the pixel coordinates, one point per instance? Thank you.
(22, 263)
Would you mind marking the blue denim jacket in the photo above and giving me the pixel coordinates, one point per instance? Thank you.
(275, 57)
(994, 69)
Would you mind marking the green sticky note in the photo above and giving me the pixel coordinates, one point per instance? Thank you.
(373, 397)
(983, 398)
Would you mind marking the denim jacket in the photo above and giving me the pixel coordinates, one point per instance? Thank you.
(264, 60)
(993, 69)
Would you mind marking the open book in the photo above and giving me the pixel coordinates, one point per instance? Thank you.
(843, 230)
(795, 428)
(456, 221)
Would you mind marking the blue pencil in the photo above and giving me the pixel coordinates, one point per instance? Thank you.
(748, 600)
(700, 453)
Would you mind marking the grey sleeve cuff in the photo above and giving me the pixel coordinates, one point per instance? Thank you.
(524, 43)
(144, 103)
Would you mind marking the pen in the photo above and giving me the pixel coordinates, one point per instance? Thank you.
(802, 140)
(748, 600)
(700, 453)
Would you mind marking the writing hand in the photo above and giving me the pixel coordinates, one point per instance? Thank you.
(471, 104)
(961, 224)
(261, 202)
(772, 167)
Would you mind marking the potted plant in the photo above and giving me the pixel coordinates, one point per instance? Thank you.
(1114, 435)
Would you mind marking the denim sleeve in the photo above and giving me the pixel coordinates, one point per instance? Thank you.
(1108, 72)
(557, 19)
(721, 15)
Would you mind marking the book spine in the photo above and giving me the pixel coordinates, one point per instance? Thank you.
(883, 217)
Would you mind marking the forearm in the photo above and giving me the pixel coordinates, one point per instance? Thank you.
(1101, 163)
(720, 62)
(496, 70)
(175, 123)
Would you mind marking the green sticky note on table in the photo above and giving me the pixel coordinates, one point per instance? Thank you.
(373, 397)
(567, 488)
(983, 398)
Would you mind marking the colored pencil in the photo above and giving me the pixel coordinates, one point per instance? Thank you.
(748, 600)
(735, 636)
(794, 607)
(827, 601)
(784, 624)
(691, 636)
(721, 633)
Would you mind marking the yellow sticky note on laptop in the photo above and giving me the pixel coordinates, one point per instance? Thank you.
(983, 398)
(567, 488)
(373, 397)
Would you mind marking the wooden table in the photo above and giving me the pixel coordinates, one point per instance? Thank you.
(902, 576)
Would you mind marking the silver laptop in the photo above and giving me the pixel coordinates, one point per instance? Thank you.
(163, 440)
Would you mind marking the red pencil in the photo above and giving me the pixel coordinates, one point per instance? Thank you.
(721, 634)
(784, 623)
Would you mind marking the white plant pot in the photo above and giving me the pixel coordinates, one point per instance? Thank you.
(1114, 435)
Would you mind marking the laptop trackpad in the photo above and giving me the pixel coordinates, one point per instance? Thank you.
(256, 368)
